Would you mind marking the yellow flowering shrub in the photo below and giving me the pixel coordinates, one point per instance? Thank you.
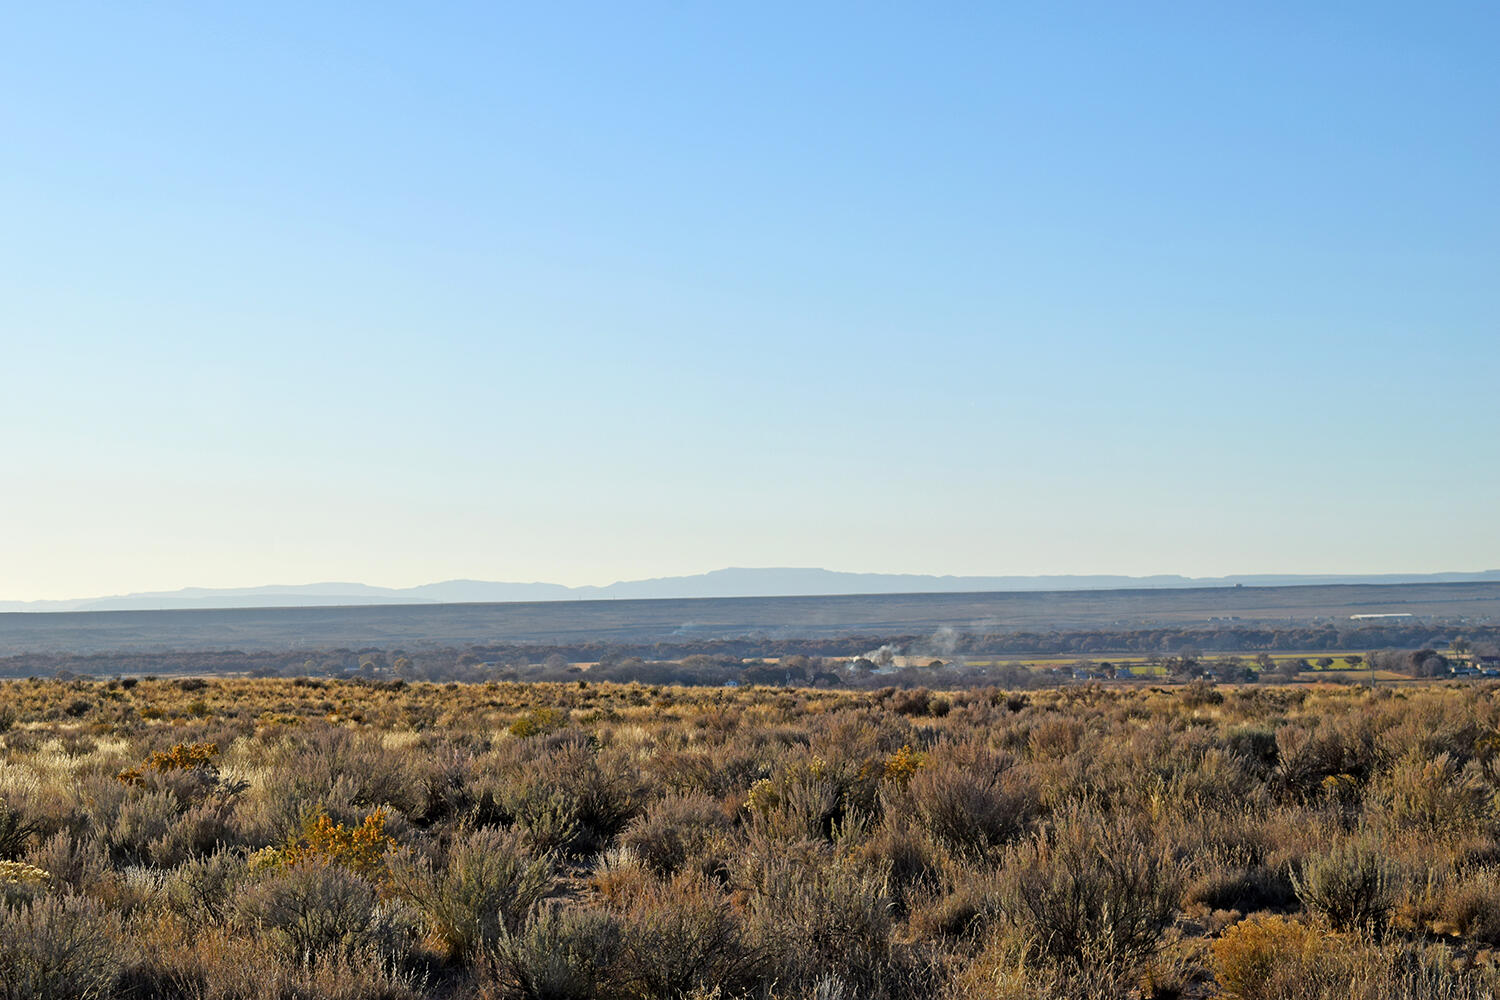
(182, 757)
(901, 765)
(20, 873)
(361, 849)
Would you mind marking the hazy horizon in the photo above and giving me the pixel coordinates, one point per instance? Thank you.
(769, 581)
(609, 293)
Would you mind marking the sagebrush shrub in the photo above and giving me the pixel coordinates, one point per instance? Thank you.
(1435, 796)
(58, 948)
(1256, 745)
(811, 914)
(967, 905)
(1237, 884)
(491, 882)
(913, 702)
(202, 828)
(558, 955)
(683, 935)
(972, 805)
(317, 907)
(1091, 886)
(1469, 905)
(143, 818)
(905, 853)
(74, 863)
(1201, 693)
(808, 797)
(1306, 756)
(676, 830)
(200, 889)
(570, 799)
(1352, 886)
(312, 763)
(15, 832)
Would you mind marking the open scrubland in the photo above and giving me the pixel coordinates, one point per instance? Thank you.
(238, 838)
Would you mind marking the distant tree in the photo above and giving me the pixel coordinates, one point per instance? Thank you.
(763, 674)
(1232, 670)
(1426, 663)
(1291, 667)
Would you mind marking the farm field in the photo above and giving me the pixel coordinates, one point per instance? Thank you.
(248, 839)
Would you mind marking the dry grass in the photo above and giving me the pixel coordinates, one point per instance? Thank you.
(283, 839)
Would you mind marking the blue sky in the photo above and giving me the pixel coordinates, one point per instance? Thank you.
(400, 293)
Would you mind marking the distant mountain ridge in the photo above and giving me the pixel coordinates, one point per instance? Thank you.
(731, 582)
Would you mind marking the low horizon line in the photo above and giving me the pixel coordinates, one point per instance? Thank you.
(310, 590)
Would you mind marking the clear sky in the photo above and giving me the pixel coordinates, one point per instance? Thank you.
(295, 292)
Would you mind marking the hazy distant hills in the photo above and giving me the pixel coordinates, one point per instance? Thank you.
(732, 582)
